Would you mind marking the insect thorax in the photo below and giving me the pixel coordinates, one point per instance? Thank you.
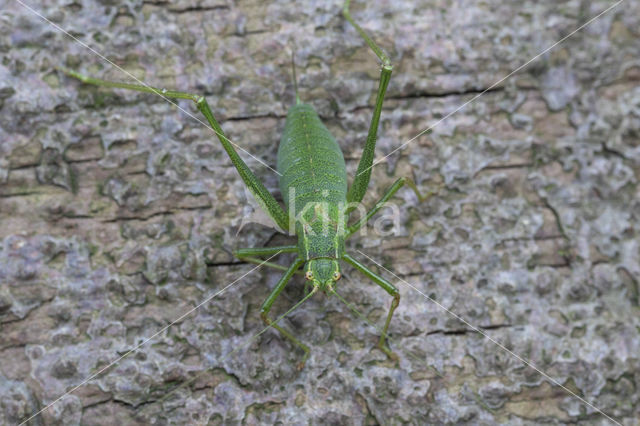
(321, 231)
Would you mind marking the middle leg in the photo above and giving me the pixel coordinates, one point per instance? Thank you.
(264, 251)
(251, 255)
(387, 195)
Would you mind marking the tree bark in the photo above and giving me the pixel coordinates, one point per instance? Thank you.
(119, 212)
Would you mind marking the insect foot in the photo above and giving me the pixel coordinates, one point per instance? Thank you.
(392, 355)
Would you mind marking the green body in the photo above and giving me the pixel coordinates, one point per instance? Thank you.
(314, 187)
(313, 183)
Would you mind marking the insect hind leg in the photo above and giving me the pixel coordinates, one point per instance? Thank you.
(257, 188)
(363, 174)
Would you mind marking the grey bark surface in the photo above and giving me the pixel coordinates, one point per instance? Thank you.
(118, 214)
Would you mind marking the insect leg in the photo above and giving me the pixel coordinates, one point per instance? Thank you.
(363, 174)
(249, 255)
(264, 251)
(387, 195)
(262, 195)
(273, 265)
(389, 288)
(266, 307)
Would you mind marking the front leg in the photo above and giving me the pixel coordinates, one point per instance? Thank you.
(389, 288)
(266, 307)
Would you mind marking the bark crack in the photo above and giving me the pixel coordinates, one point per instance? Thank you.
(463, 331)
(444, 94)
(188, 9)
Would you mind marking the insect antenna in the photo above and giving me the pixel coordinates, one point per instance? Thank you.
(293, 72)
(242, 346)
(365, 319)
(359, 314)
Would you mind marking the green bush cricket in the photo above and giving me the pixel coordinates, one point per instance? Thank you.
(313, 183)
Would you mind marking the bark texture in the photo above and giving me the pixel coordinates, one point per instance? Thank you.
(118, 213)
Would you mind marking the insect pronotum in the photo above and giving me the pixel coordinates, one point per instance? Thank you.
(313, 182)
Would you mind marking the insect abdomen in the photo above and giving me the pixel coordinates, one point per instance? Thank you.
(310, 161)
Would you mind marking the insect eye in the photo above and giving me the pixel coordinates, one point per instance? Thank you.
(308, 275)
(336, 276)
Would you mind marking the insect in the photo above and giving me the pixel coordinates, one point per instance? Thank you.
(313, 183)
